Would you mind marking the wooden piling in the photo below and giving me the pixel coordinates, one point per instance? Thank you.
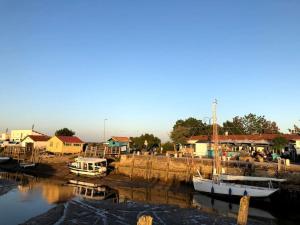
(132, 166)
(145, 220)
(168, 167)
(243, 211)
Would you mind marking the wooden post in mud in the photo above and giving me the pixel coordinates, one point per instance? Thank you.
(187, 170)
(150, 167)
(147, 168)
(132, 165)
(243, 211)
(278, 165)
(168, 165)
(145, 220)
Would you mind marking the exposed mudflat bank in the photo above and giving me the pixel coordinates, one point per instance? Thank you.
(106, 212)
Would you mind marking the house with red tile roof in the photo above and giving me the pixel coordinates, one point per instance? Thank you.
(35, 141)
(202, 144)
(65, 145)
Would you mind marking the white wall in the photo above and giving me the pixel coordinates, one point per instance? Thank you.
(298, 147)
(37, 144)
(4, 137)
(18, 135)
(201, 149)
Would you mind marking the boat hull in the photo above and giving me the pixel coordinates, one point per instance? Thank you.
(230, 189)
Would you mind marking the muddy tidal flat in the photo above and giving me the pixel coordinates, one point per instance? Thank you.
(104, 212)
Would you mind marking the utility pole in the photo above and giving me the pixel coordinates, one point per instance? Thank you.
(104, 131)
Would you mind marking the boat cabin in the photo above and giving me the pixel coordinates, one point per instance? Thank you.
(89, 166)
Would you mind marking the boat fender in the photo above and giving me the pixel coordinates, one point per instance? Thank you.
(212, 189)
(230, 192)
(245, 193)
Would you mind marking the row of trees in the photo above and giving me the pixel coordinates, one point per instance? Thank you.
(184, 129)
(248, 124)
(145, 141)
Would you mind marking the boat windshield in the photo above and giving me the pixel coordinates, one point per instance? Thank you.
(100, 164)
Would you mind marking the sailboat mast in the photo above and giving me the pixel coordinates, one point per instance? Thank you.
(216, 139)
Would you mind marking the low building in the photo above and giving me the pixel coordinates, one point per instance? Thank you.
(202, 145)
(115, 146)
(65, 144)
(119, 142)
(297, 146)
(19, 135)
(35, 141)
(4, 137)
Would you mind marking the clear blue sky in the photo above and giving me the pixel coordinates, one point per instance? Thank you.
(145, 64)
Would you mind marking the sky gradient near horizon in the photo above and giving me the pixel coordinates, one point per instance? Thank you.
(145, 64)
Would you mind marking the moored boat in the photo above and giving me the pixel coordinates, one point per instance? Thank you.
(219, 187)
(89, 166)
(225, 185)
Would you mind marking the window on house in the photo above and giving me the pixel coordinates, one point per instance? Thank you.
(67, 144)
(51, 144)
(77, 144)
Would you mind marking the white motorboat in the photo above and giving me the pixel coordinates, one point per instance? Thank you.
(221, 184)
(4, 159)
(89, 166)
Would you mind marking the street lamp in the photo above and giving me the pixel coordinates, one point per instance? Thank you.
(104, 130)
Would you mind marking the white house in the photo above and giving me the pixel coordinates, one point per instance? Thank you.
(35, 141)
(200, 145)
(19, 135)
(4, 137)
(297, 146)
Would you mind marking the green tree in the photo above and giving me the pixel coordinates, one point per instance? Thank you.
(184, 129)
(296, 130)
(64, 132)
(139, 142)
(167, 146)
(234, 127)
(279, 143)
(254, 124)
(250, 124)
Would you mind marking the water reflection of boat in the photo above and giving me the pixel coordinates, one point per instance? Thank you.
(92, 191)
(226, 208)
(4, 159)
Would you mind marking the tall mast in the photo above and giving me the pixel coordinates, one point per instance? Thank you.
(217, 165)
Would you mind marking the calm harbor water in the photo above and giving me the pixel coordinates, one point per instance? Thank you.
(22, 198)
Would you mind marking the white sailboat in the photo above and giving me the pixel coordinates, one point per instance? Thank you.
(220, 185)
